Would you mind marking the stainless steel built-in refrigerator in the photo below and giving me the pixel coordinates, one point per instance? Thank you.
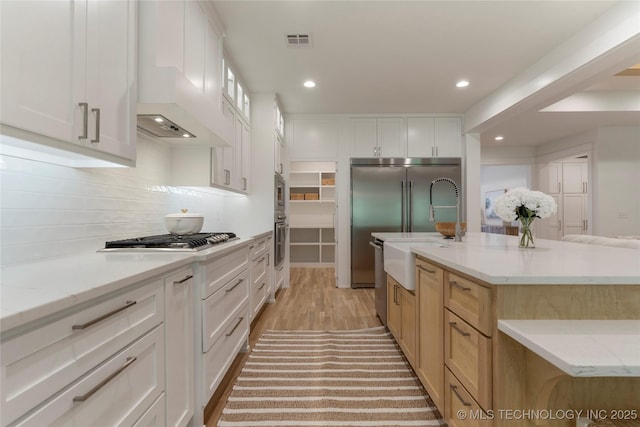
(392, 195)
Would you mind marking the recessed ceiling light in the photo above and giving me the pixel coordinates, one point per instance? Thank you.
(462, 83)
(158, 119)
(309, 84)
(186, 135)
(499, 138)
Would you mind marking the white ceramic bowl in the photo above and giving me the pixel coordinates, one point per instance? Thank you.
(184, 223)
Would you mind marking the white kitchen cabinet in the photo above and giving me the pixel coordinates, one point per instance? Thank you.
(68, 74)
(379, 137)
(574, 178)
(230, 167)
(313, 138)
(179, 330)
(260, 273)
(434, 137)
(575, 219)
(154, 417)
(222, 320)
(567, 182)
(117, 393)
(278, 147)
(65, 358)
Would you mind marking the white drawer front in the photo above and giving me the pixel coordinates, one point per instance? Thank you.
(259, 270)
(218, 359)
(219, 271)
(258, 297)
(123, 389)
(219, 307)
(154, 417)
(258, 248)
(38, 364)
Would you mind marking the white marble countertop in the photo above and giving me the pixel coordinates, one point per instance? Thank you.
(31, 291)
(497, 259)
(407, 237)
(582, 348)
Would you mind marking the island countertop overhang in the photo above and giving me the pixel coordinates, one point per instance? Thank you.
(497, 260)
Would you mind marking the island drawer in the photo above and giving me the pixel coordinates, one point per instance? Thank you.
(470, 301)
(467, 353)
(461, 409)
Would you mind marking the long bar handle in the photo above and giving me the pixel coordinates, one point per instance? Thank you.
(454, 325)
(426, 269)
(234, 286)
(454, 389)
(85, 120)
(104, 316)
(102, 383)
(410, 207)
(262, 286)
(179, 282)
(402, 206)
(459, 286)
(97, 111)
(235, 327)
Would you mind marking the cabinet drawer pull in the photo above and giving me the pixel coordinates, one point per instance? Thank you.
(227, 177)
(234, 286)
(97, 111)
(85, 120)
(459, 286)
(454, 389)
(104, 316)
(235, 327)
(454, 325)
(426, 269)
(261, 259)
(261, 286)
(102, 383)
(179, 282)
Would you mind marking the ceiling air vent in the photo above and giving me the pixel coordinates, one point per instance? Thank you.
(299, 40)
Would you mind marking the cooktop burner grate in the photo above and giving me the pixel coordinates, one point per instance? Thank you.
(197, 241)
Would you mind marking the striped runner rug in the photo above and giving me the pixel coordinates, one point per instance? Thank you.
(328, 378)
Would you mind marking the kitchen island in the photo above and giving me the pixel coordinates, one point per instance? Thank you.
(498, 329)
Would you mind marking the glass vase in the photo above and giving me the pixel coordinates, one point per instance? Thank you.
(526, 234)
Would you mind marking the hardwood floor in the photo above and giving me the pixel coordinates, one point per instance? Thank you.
(311, 302)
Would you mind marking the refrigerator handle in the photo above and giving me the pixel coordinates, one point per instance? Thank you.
(410, 207)
(402, 204)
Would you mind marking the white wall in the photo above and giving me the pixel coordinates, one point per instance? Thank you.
(616, 170)
(501, 177)
(48, 210)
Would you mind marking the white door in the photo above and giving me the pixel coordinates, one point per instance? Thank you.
(420, 137)
(111, 75)
(43, 73)
(364, 141)
(448, 136)
(575, 214)
(180, 348)
(392, 137)
(574, 178)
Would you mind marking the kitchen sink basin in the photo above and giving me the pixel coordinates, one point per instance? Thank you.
(399, 261)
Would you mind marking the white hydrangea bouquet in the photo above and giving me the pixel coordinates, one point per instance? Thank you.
(525, 205)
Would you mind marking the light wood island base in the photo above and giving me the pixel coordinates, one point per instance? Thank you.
(523, 388)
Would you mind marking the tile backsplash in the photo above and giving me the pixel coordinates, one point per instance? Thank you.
(48, 210)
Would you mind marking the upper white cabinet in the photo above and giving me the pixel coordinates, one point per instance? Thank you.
(68, 73)
(379, 137)
(313, 138)
(434, 137)
(574, 177)
(180, 68)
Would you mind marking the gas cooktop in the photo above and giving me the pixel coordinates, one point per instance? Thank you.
(170, 242)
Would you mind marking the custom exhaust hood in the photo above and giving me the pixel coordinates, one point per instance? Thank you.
(179, 90)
